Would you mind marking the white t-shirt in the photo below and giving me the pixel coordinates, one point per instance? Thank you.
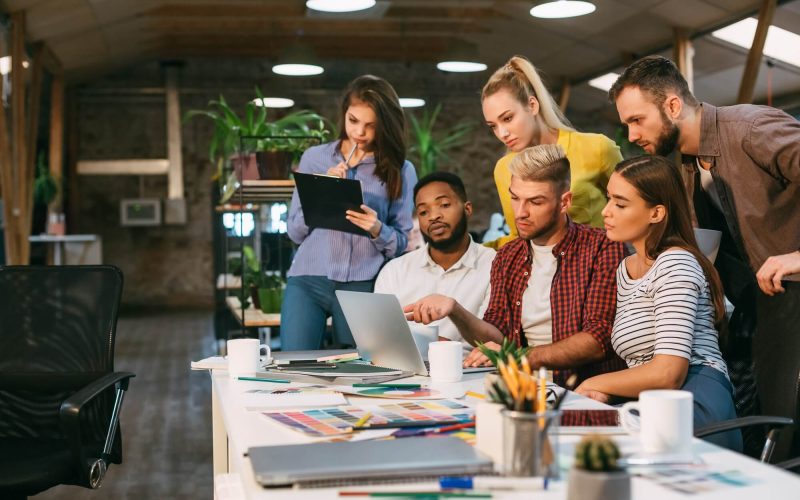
(707, 183)
(415, 275)
(537, 317)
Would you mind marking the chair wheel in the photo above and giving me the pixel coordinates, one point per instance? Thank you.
(97, 471)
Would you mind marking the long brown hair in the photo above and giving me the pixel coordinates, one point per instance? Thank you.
(659, 183)
(520, 78)
(390, 129)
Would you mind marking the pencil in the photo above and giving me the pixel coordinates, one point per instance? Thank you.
(363, 420)
(352, 152)
(476, 395)
(392, 386)
(259, 379)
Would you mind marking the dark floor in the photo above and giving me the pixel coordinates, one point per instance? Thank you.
(166, 416)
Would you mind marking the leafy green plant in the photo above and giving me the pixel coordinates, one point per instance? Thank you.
(627, 148)
(429, 146)
(597, 453)
(507, 349)
(45, 188)
(230, 127)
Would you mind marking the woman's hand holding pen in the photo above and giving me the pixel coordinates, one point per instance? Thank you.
(339, 170)
(366, 220)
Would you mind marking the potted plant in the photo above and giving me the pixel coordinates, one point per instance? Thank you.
(595, 474)
(282, 140)
(429, 147)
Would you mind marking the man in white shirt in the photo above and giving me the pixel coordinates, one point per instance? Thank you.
(450, 263)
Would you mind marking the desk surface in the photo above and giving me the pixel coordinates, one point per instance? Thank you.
(65, 238)
(252, 316)
(247, 428)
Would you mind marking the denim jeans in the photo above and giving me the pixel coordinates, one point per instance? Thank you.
(308, 301)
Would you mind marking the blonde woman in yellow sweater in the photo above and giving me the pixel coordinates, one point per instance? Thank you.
(522, 113)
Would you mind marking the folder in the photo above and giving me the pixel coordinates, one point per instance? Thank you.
(325, 200)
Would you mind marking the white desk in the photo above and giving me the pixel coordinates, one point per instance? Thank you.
(236, 429)
(73, 248)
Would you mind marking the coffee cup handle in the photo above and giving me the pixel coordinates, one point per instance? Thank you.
(625, 417)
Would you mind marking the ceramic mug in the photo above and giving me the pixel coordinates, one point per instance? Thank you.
(445, 359)
(244, 357)
(665, 421)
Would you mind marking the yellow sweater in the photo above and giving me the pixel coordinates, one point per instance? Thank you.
(592, 158)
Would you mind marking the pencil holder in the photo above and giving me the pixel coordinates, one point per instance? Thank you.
(530, 443)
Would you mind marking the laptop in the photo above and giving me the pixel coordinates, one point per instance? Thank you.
(335, 464)
(381, 331)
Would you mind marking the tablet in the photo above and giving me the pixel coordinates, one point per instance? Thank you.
(325, 200)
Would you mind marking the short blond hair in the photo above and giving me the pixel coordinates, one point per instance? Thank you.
(545, 162)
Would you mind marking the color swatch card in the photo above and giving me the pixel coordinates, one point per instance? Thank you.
(333, 421)
(391, 392)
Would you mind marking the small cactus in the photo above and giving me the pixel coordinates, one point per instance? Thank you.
(597, 453)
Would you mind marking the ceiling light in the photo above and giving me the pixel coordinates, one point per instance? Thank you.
(559, 9)
(297, 69)
(604, 82)
(411, 102)
(781, 44)
(5, 65)
(274, 102)
(297, 60)
(461, 66)
(339, 5)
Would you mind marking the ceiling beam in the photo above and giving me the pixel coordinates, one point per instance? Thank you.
(753, 63)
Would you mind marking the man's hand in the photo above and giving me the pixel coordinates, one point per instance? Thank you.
(593, 394)
(368, 220)
(477, 358)
(775, 269)
(429, 309)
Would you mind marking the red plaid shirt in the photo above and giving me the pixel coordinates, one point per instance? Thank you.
(583, 297)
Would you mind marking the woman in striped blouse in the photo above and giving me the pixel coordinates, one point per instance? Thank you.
(371, 149)
(670, 303)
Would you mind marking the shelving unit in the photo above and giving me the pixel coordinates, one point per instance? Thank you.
(253, 317)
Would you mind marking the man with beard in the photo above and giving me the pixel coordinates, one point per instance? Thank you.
(553, 288)
(450, 263)
(741, 167)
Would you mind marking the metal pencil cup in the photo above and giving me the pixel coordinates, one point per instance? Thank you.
(530, 443)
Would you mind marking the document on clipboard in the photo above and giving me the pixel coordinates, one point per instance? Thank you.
(325, 200)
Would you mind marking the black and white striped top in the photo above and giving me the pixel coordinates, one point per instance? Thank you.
(669, 310)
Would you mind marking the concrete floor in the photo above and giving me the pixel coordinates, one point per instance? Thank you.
(166, 416)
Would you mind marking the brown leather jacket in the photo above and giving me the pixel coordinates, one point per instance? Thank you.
(754, 152)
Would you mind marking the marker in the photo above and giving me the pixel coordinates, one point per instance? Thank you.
(493, 483)
(433, 495)
(258, 379)
(363, 420)
(476, 395)
(392, 386)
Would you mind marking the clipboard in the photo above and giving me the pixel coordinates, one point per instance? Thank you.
(325, 200)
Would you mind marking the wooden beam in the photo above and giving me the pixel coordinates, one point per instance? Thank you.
(6, 181)
(34, 103)
(175, 173)
(57, 140)
(683, 55)
(19, 252)
(751, 68)
(123, 167)
(563, 97)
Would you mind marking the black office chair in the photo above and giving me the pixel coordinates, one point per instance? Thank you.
(59, 395)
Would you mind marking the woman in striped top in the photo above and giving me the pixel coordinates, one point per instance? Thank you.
(371, 149)
(670, 303)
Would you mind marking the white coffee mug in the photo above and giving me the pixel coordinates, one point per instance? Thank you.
(244, 357)
(445, 358)
(665, 421)
(423, 336)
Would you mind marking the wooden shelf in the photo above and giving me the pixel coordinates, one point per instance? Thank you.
(253, 317)
(229, 282)
(264, 191)
(235, 207)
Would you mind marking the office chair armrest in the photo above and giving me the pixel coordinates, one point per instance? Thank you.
(792, 464)
(92, 468)
(738, 423)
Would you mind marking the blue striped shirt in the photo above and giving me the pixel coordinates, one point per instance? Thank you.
(341, 256)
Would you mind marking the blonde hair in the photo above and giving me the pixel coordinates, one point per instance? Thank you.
(545, 162)
(519, 76)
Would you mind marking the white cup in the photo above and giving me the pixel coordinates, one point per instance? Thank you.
(665, 421)
(423, 336)
(244, 357)
(445, 358)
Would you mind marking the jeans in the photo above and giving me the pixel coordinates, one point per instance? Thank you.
(308, 301)
(713, 402)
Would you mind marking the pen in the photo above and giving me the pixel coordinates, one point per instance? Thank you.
(259, 379)
(414, 494)
(363, 420)
(437, 430)
(352, 152)
(393, 386)
(492, 483)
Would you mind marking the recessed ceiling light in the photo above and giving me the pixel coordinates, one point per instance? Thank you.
(297, 69)
(604, 82)
(559, 9)
(780, 44)
(461, 66)
(274, 102)
(339, 5)
(411, 102)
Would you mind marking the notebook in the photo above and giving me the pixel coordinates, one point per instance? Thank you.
(280, 466)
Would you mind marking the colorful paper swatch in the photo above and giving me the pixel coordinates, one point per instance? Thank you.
(333, 421)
